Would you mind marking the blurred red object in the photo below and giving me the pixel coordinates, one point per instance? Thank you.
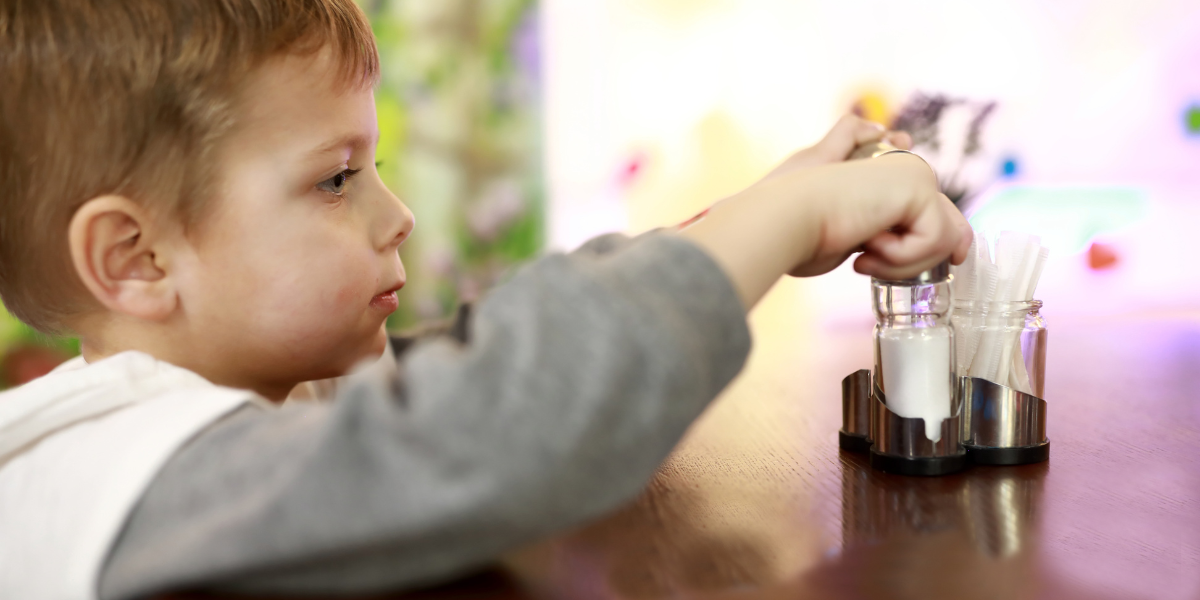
(26, 363)
(631, 170)
(1102, 256)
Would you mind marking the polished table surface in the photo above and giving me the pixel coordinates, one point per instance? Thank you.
(758, 501)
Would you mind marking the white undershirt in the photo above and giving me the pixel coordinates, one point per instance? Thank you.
(77, 449)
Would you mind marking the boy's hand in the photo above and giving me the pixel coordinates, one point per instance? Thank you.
(847, 134)
(890, 209)
(806, 221)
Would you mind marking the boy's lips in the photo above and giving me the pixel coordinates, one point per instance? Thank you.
(387, 301)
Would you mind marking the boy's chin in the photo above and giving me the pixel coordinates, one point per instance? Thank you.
(379, 343)
(371, 349)
(346, 358)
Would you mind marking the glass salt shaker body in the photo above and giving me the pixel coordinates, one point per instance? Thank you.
(914, 346)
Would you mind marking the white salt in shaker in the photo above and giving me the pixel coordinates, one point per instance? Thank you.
(914, 346)
(915, 377)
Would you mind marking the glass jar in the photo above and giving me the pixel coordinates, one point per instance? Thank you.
(1002, 342)
(914, 347)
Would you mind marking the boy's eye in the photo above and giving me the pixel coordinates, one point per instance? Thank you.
(336, 185)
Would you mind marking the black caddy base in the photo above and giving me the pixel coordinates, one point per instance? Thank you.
(926, 467)
(1022, 455)
(853, 443)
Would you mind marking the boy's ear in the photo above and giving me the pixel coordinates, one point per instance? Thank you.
(116, 247)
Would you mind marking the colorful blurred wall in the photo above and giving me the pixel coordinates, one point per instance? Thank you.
(656, 108)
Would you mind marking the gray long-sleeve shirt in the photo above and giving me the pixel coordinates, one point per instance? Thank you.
(553, 404)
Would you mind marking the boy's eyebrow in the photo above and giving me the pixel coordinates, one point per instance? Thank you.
(354, 140)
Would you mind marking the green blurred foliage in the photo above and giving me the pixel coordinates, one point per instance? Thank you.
(15, 335)
(459, 118)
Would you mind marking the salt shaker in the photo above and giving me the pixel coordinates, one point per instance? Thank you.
(916, 412)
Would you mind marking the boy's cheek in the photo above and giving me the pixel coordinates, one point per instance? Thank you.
(346, 298)
(346, 284)
(318, 282)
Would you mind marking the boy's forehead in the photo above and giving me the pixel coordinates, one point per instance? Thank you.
(302, 101)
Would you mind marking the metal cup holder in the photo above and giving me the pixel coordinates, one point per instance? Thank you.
(991, 424)
(1003, 426)
(855, 435)
(901, 447)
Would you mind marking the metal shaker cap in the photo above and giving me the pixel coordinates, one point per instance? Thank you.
(938, 273)
(875, 150)
(872, 150)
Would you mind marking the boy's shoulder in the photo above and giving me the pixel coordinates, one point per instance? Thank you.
(77, 449)
(76, 392)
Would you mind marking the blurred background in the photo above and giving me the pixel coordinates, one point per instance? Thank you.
(513, 127)
(1085, 117)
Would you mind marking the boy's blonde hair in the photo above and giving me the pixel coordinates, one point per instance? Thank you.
(130, 97)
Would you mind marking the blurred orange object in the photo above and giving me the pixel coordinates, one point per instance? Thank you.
(26, 363)
(873, 106)
(1102, 256)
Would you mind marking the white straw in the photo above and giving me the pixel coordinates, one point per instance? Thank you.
(1026, 252)
(990, 347)
(1043, 255)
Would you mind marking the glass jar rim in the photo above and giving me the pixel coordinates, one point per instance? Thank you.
(1000, 305)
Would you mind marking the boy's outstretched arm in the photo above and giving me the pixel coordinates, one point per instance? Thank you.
(577, 378)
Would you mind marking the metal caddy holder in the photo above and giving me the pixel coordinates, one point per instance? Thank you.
(855, 435)
(1003, 426)
(997, 426)
(900, 445)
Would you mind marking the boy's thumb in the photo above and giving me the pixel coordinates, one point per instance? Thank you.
(848, 133)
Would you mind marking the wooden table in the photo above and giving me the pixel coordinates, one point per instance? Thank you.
(758, 502)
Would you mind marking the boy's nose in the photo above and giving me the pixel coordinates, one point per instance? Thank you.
(397, 220)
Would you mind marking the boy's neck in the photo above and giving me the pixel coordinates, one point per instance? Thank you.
(98, 347)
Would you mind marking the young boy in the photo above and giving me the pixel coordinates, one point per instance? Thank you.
(189, 187)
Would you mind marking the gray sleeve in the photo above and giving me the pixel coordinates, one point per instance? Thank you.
(574, 381)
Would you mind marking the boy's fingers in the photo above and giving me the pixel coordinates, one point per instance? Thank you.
(866, 132)
(916, 240)
(966, 234)
(874, 266)
(847, 134)
(900, 139)
(935, 234)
